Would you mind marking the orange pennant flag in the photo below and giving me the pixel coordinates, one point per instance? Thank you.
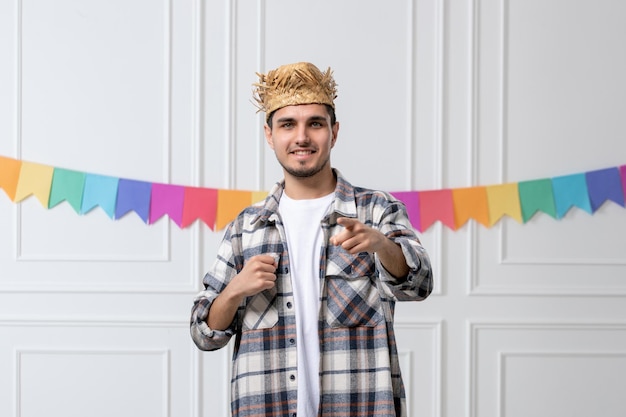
(9, 175)
(470, 203)
(229, 205)
(504, 199)
(34, 179)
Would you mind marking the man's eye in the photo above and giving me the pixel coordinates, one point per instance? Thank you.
(287, 125)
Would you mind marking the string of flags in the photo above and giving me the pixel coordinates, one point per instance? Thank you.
(215, 207)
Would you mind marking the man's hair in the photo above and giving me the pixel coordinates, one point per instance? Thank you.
(329, 109)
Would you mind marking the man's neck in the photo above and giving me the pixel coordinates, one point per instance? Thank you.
(319, 185)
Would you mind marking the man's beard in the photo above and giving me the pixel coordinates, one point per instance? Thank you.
(305, 172)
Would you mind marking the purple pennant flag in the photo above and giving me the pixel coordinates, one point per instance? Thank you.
(605, 184)
(167, 199)
(622, 170)
(411, 200)
(133, 196)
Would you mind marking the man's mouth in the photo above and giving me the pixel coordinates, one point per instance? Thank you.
(303, 152)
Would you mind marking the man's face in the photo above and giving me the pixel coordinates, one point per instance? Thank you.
(302, 137)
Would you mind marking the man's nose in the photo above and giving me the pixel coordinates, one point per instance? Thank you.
(302, 135)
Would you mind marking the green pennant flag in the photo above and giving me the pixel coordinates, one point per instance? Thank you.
(67, 185)
(536, 196)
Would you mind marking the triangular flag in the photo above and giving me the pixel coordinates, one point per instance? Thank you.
(100, 190)
(200, 203)
(470, 203)
(622, 171)
(603, 185)
(133, 196)
(9, 175)
(258, 196)
(35, 179)
(411, 200)
(229, 204)
(67, 186)
(167, 199)
(436, 205)
(570, 191)
(536, 196)
(503, 199)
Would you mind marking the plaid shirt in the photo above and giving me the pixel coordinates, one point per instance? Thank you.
(359, 368)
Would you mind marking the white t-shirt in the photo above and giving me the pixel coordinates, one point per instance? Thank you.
(304, 240)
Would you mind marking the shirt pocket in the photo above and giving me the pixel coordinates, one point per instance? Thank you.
(261, 311)
(352, 298)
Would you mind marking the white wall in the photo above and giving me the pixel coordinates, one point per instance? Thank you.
(526, 320)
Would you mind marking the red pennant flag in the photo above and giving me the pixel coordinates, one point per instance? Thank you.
(436, 205)
(200, 203)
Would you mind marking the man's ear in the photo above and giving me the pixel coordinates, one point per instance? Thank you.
(335, 131)
(268, 135)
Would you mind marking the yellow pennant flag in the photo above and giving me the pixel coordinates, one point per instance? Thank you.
(470, 203)
(504, 199)
(34, 179)
(258, 196)
(229, 204)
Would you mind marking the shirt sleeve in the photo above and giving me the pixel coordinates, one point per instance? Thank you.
(220, 274)
(203, 336)
(418, 284)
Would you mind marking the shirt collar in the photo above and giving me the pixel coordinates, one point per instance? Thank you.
(344, 203)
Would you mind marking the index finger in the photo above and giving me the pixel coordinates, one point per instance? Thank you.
(347, 222)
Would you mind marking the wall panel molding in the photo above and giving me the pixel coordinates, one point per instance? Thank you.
(503, 260)
(490, 343)
(421, 364)
(157, 346)
(21, 254)
(22, 381)
(593, 358)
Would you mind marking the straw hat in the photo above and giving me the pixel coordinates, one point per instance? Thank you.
(294, 84)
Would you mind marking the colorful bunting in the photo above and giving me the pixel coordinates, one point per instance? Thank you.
(503, 200)
(35, 179)
(100, 190)
(133, 196)
(603, 185)
(230, 203)
(67, 186)
(199, 204)
(258, 196)
(570, 191)
(411, 200)
(167, 200)
(622, 170)
(536, 196)
(217, 207)
(470, 203)
(9, 175)
(436, 205)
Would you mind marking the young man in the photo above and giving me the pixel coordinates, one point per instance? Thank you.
(306, 281)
